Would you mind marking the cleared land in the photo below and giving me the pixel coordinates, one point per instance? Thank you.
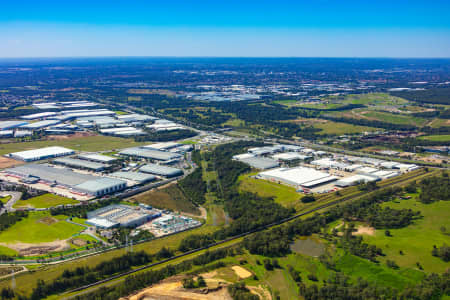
(416, 241)
(88, 143)
(168, 197)
(339, 128)
(282, 194)
(39, 227)
(45, 201)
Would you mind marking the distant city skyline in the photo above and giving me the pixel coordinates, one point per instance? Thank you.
(225, 28)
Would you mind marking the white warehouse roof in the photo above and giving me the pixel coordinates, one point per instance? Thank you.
(290, 156)
(298, 176)
(42, 153)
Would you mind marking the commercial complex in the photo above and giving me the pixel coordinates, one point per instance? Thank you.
(121, 215)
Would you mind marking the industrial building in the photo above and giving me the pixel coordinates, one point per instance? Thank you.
(97, 158)
(150, 154)
(299, 176)
(121, 215)
(136, 177)
(52, 176)
(161, 170)
(101, 186)
(42, 153)
(133, 118)
(40, 124)
(260, 162)
(123, 131)
(290, 156)
(81, 164)
(162, 146)
(354, 180)
(4, 125)
(42, 115)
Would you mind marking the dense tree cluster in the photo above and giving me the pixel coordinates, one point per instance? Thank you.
(144, 279)
(433, 287)
(435, 188)
(194, 187)
(431, 95)
(239, 291)
(9, 219)
(81, 211)
(442, 252)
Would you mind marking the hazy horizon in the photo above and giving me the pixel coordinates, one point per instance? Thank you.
(350, 29)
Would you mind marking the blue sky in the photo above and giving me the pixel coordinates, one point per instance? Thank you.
(343, 28)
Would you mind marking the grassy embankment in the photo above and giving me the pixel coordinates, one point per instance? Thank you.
(44, 201)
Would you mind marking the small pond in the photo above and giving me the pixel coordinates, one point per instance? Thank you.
(308, 246)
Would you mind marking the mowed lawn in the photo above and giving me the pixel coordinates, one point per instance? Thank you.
(436, 138)
(45, 201)
(39, 227)
(282, 194)
(339, 128)
(87, 143)
(416, 240)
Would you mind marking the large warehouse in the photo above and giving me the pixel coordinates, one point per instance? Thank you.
(299, 176)
(83, 183)
(120, 215)
(101, 186)
(42, 153)
(150, 154)
(260, 162)
(136, 177)
(80, 164)
(97, 158)
(161, 170)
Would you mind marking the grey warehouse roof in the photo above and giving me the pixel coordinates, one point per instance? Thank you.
(260, 162)
(98, 184)
(97, 157)
(150, 154)
(135, 176)
(74, 162)
(160, 170)
(51, 174)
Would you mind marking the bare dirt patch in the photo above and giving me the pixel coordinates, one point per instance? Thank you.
(48, 220)
(241, 272)
(172, 289)
(9, 162)
(364, 230)
(70, 136)
(78, 242)
(26, 249)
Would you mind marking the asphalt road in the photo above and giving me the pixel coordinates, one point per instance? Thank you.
(15, 196)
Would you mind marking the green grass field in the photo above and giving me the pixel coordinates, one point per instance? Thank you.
(5, 199)
(436, 138)
(340, 128)
(44, 201)
(88, 143)
(282, 194)
(417, 240)
(39, 227)
(395, 118)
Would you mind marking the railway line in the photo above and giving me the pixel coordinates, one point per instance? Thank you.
(403, 179)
